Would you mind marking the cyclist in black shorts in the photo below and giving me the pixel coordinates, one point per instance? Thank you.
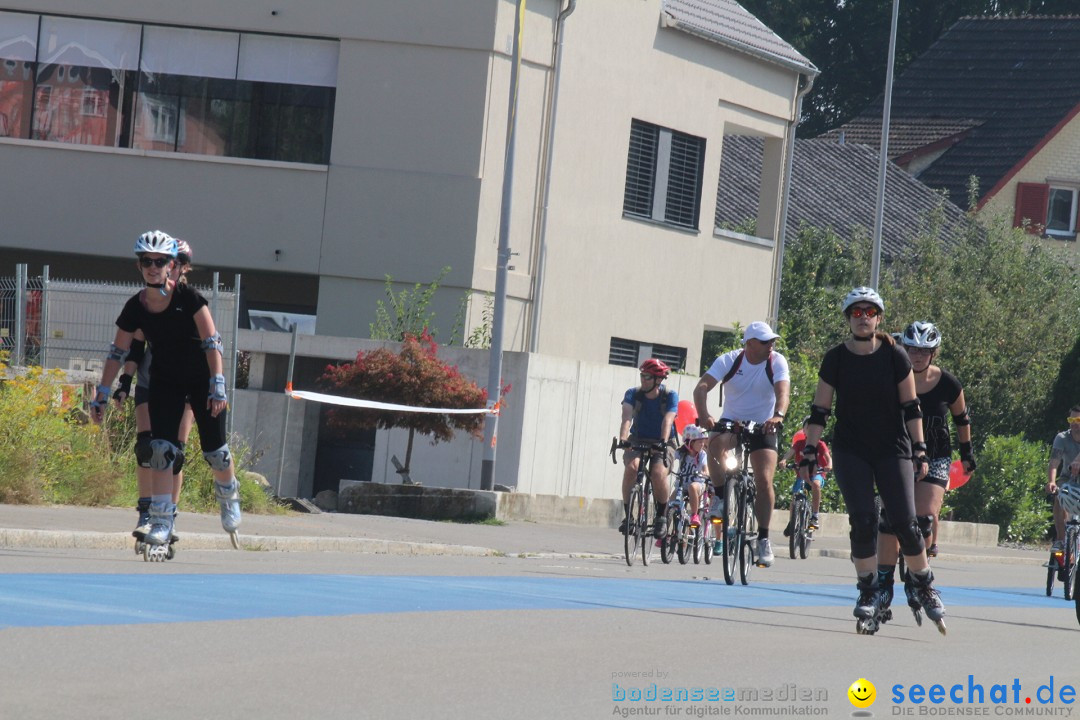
(187, 362)
(878, 417)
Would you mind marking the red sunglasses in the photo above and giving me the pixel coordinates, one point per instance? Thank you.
(868, 312)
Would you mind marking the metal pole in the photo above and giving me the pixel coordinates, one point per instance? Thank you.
(288, 404)
(214, 297)
(494, 386)
(235, 334)
(883, 161)
(20, 312)
(43, 321)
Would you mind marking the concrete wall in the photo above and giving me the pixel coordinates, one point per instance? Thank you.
(554, 431)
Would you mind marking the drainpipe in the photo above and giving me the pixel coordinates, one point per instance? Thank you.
(549, 143)
(781, 235)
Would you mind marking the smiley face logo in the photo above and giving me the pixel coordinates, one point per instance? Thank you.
(862, 693)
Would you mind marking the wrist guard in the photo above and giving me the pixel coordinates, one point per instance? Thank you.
(217, 388)
(101, 396)
(123, 387)
(967, 455)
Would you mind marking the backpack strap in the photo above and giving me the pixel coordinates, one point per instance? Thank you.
(738, 361)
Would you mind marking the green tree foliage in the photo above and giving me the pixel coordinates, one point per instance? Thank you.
(848, 40)
(415, 376)
(1008, 489)
(405, 312)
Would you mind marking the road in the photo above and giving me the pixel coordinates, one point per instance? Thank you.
(216, 634)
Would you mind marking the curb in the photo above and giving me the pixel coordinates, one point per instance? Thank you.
(85, 540)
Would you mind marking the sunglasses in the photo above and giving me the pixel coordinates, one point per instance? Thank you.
(1074, 419)
(154, 262)
(869, 312)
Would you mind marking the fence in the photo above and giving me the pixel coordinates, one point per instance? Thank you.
(68, 324)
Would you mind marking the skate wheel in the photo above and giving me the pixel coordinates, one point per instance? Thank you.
(235, 538)
(918, 617)
(866, 626)
(146, 553)
(941, 626)
(170, 553)
(886, 616)
(139, 546)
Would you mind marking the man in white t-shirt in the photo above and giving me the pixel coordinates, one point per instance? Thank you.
(756, 388)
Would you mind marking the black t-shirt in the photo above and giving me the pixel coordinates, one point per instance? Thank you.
(869, 422)
(177, 347)
(935, 407)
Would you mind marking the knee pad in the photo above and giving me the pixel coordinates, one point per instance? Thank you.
(883, 523)
(926, 525)
(178, 463)
(911, 540)
(219, 459)
(143, 451)
(863, 534)
(164, 454)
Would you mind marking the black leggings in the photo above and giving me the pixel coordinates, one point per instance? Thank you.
(894, 479)
(167, 401)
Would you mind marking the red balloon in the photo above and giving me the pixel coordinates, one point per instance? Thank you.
(685, 415)
(957, 475)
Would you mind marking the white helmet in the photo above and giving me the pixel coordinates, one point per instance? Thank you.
(1069, 498)
(693, 432)
(921, 335)
(863, 294)
(155, 241)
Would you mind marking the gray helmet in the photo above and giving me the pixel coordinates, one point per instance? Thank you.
(921, 334)
(863, 294)
(155, 241)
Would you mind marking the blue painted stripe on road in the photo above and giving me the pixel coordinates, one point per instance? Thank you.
(39, 600)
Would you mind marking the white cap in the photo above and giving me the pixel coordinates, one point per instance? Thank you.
(759, 331)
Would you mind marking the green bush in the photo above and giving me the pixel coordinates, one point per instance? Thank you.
(1008, 489)
(50, 453)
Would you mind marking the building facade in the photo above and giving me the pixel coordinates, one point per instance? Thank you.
(318, 147)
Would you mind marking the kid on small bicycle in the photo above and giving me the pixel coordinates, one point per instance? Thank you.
(817, 479)
(694, 467)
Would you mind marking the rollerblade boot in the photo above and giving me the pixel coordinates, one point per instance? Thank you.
(228, 497)
(143, 525)
(885, 592)
(158, 541)
(868, 606)
(919, 586)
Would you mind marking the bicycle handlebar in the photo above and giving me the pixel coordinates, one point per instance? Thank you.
(639, 446)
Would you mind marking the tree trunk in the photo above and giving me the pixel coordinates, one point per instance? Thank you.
(408, 454)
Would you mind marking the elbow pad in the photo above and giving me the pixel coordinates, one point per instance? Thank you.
(912, 410)
(213, 343)
(116, 353)
(819, 415)
(137, 352)
(962, 419)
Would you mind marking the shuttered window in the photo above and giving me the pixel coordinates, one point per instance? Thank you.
(631, 353)
(1031, 202)
(663, 175)
(1061, 212)
(623, 352)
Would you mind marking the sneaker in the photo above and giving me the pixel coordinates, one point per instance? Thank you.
(931, 551)
(718, 547)
(622, 526)
(787, 530)
(695, 520)
(660, 527)
(765, 553)
(815, 523)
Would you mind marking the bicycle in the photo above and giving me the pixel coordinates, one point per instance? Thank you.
(685, 540)
(1063, 563)
(637, 533)
(739, 522)
(802, 534)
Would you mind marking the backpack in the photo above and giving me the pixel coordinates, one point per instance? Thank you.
(738, 361)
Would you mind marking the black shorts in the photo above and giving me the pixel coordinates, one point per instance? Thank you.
(758, 441)
(167, 402)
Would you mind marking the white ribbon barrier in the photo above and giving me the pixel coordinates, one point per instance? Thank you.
(373, 405)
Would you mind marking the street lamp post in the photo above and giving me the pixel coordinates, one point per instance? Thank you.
(883, 160)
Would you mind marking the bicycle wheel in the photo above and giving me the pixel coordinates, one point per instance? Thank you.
(1076, 595)
(730, 538)
(648, 542)
(631, 534)
(1070, 562)
(806, 536)
(1051, 574)
(747, 536)
(686, 537)
(796, 526)
(696, 538)
(707, 541)
(668, 543)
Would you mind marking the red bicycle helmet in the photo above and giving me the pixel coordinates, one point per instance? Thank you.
(656, 368)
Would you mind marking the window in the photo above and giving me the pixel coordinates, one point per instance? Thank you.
(150, 87)
(631, 353)
(663, 175)
(1061, 212)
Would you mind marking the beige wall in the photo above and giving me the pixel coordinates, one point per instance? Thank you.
(415, 179)
(1057, 163)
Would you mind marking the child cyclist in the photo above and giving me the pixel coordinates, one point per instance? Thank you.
(186, 362)
(137, 367)
(817, 478)
(694, 468)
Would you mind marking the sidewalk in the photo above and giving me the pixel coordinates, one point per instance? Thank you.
(63, 526)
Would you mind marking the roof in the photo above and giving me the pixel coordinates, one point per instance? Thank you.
(905, 135)
(728, 23)
(834, 186)
(1018, 78)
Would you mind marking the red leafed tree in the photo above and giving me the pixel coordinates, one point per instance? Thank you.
(415, 376)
